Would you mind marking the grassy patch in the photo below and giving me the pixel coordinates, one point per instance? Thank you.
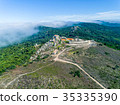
(101, 62)
(55, 76)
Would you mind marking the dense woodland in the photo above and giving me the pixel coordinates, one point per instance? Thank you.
(109, 36)
(19, 54)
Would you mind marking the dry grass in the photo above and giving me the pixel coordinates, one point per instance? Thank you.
(55, 76)
(101, 62)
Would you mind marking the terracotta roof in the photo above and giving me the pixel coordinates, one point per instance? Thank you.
(55, 35)
(70, 39)
(63, 39)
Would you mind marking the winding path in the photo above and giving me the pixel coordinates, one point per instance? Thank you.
(26, 74)
(60, 60)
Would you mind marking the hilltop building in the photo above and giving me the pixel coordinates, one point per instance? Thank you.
(69, 39)
(56, 38)
(76, 39)
(63, 40)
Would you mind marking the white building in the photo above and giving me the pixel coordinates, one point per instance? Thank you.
(56, 37)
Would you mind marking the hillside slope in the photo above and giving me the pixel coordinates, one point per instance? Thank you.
(100, 62)
(56, 76)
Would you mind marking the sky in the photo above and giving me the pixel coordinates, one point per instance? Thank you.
(19, 17)
(58, 10)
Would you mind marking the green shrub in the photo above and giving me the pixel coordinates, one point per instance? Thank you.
(30, 62)
(75, 73)
(106, 53)
(24, 65)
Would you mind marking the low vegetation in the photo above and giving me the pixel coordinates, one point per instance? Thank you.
(75, 73)
(101, 62)
(55, 76)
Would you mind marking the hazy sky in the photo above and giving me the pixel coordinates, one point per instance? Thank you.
(50, 10)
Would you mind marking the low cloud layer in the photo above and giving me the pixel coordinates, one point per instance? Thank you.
(10, 33)
(14, 32)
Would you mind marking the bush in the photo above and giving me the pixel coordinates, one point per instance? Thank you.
(25, 64)
(30, 62)
(106, 53)
(66, 41)
(75, 73)
(46, 56)
(38, 58)
(71, 72)
(12, 67)
(100, 44)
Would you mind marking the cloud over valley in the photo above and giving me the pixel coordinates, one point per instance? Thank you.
(14, 32)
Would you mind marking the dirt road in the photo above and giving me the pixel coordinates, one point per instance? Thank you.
(25, 74)
(60, 60)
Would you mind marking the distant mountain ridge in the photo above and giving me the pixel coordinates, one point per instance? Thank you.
(111, 24)
(104, 32)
